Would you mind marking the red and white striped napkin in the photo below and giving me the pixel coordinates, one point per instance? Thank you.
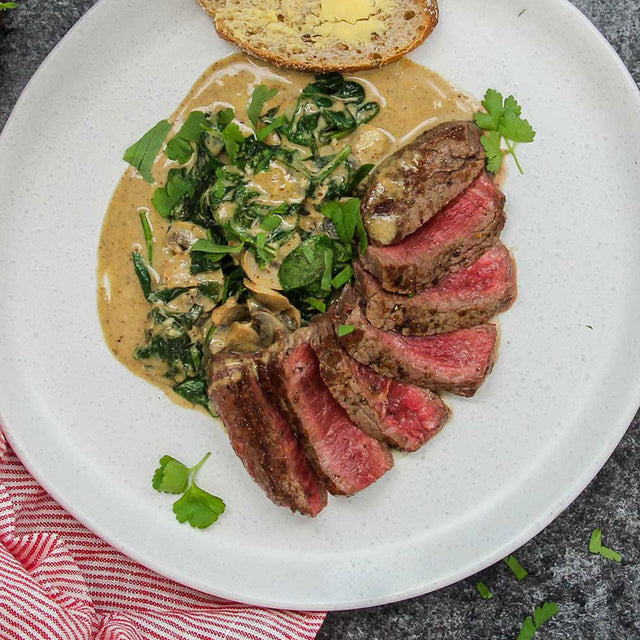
(58, 581)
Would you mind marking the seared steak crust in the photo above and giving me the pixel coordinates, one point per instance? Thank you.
(458, 361)
(455, 237)
(262, 438)
(345, 457)
(403, 416)
(414, 183)
(461, 299)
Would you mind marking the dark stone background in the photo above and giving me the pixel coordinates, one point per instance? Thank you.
(598, 599)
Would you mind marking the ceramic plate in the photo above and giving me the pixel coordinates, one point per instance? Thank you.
(564, 390)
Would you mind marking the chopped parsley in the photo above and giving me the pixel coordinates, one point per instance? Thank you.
(596, 546)
(484, 591)
(540, 616)
(345, 330)
(518, 570)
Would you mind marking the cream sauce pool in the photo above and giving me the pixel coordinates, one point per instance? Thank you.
(412, 99)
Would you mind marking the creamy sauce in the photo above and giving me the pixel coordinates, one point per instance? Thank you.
(412, 98)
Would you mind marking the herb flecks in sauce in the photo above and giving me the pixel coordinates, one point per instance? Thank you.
(263, 200)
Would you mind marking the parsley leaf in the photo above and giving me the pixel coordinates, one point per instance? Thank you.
(196, 506)
(502, 121)
(484, 591)
(171, 476)
(8, 5)
(259, 96)
(491, 142)
(596, 546)
(179, 147)
(345, 330)
(142, 154)
(518, 570)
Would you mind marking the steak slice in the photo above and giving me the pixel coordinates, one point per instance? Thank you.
(414, 183)
(461, 299)
(451, 240)
(401, 415)
(342, 454)
(262, 438)
(458, 361)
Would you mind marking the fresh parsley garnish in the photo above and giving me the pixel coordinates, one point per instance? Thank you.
(502, 121)
(345, 330)
(484, 591)
(540, 616)
(518, 570)
(196, 506)
(142, 154)
(232, 138)
(596, 546)
(8, 5)
(179, 148)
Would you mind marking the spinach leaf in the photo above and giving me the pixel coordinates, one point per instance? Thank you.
(165, 199)
(213, 249)
(367, 112)
(166, 295)
(194, 390)
(142, 273)
(259, 96)
(179, 147)
(305, 265)
(142, 154)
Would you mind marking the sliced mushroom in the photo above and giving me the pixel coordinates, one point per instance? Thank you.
(240, 337)
(269, 300)
(176, 272)
(228, 313)
(372, 144)
(267, 278)
(183, 235)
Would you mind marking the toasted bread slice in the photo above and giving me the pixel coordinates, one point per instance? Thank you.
(325, 35)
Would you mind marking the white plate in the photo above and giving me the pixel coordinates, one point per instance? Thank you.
(509, 461)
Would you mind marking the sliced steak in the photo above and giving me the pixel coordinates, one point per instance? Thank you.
(414, 183)
(262, 438)
(451, 240)
(342, 454)
(461, 299)
(458, 361)
(401, 415)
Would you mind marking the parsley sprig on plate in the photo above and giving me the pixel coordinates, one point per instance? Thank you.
(196, 506)
(502, 122)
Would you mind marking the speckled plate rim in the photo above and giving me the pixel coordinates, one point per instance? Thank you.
(624, 415)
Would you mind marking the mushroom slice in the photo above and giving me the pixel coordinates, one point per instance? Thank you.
(228, 313)
(176, 272)
(267, 278)
(183, 235)
(240, 337)
(270, 300)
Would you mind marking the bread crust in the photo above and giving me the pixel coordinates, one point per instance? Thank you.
(431, 16)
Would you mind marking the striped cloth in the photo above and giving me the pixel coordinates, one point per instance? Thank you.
(58, 581)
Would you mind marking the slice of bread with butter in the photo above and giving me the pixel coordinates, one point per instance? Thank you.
(324, 35)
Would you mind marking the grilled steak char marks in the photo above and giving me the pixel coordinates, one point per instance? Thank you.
(458, 361)
(401, 415)
(347, 458)
(414, 183)
(464, 298)
(262, 438)
(455, 237)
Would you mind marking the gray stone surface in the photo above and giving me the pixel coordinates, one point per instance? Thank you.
(598, 599)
